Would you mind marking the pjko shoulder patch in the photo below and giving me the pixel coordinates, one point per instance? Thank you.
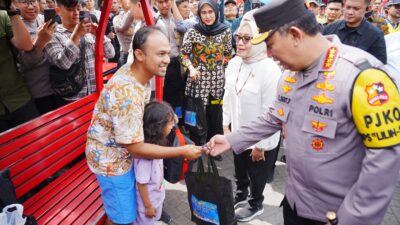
(376, 108)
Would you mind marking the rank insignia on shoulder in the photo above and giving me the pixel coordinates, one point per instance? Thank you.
(318, 144)
(286, 88)
(330, 58)
(375, 108)
(318, 126)
(376, 94)
(281, 112)
(290, 79)
(322, 99)
(329, 74)
(325, 86)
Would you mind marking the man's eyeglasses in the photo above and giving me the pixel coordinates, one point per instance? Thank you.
(28, 2)
(245, 39)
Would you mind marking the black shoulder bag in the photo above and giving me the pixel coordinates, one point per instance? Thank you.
(67, 83)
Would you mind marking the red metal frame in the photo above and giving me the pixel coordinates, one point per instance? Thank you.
(148, 16)
(99, 53)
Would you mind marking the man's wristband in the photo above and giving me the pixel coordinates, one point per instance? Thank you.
(13, 12)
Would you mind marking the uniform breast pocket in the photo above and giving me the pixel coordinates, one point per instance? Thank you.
(320, 126)
(320, 133)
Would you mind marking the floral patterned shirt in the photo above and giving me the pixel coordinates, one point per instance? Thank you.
(117, 120)
(209, 55)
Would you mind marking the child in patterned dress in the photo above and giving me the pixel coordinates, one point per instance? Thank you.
(158, 121)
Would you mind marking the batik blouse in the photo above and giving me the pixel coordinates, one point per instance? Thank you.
(208, 55)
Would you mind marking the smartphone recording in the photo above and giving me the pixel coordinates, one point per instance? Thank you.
(84, 15)
(49, 14)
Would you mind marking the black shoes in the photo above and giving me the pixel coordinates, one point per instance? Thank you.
(248, 213)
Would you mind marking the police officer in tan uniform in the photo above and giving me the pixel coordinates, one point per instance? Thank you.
(341, 117)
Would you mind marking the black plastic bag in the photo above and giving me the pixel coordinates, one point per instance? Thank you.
(210, 196)
(195, 117)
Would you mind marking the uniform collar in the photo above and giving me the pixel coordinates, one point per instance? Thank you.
(326, 63)
(360, 29)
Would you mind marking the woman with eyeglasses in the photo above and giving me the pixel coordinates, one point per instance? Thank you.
(251, 84)
(205, 51)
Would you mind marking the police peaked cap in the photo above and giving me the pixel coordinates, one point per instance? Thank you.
(275, 14)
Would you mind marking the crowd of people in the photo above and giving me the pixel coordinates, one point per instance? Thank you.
(272, 66)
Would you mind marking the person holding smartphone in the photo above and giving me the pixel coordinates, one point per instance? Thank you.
(34, 63)
(64, 48)
(16, 106)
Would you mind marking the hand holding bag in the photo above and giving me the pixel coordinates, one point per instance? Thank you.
(210, 196)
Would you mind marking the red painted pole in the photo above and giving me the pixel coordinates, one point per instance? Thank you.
(99, 54)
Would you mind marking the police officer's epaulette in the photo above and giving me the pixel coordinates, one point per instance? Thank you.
(354, 56)
(375, 107)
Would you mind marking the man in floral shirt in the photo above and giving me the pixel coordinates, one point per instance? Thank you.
(116, 130)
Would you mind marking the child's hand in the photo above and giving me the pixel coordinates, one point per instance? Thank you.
(150, 212)
(191, 151)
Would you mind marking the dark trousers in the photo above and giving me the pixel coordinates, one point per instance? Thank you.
(214, 117)
(48, 103)
(214, 123)
(174, 87)
(174, 84)
(24, 114)
(290, 216)
(254, 174)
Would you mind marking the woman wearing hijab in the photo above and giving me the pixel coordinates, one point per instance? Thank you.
(251, 85)
(205, 51)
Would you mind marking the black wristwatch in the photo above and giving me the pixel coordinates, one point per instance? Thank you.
(13, 12)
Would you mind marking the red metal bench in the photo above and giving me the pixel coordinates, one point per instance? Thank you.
(42, 148)
(39, 149)
(109, 69)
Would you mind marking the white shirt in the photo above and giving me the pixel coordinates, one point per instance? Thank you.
(393, 55)
(250, 90)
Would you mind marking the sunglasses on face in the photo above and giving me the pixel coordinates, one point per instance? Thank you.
(245, 39)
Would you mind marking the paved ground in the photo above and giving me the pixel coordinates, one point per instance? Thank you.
(177, 206)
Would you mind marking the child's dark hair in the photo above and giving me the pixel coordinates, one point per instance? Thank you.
(156, 116)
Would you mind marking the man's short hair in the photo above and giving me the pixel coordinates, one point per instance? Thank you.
(179, 2)
(67, 3)
(335, 1)
(141, 36)
(307, 23)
